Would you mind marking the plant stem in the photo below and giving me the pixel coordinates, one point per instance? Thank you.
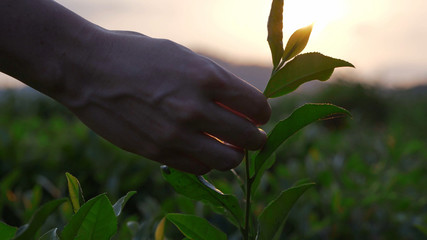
(249, 182)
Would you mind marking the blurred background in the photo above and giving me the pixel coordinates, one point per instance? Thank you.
(384, 39)
(370, 170)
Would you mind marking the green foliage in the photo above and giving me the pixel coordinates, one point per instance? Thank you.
(368, 171)
(196, 228)
(6, 231)
(303, 68)
(300, 118)
(196, 187)
(95, 219)
(287, 76)
(273, 217)
(39, 217)
(369, 174)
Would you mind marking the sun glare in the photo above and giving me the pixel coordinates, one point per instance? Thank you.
(241, 29)
(300, 13)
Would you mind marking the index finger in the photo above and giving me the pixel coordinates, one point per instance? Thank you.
(241, 98)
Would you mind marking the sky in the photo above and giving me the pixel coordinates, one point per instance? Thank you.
(384, 39)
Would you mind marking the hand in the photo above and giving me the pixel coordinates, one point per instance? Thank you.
(160, 100)
(149, 96)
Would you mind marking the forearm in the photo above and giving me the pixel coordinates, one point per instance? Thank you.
(38, 39)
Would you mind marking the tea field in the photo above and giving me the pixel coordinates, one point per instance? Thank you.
(370, 170)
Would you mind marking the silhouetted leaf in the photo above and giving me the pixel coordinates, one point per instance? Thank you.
(274, 216)
(275, 35)
(197, 188)
(196, 228)
(301, 69)
(300, 118)
(297, 42)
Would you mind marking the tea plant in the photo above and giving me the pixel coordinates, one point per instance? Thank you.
(95, 219)
(290, 70)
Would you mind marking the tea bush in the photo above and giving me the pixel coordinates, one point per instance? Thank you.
(369, 174)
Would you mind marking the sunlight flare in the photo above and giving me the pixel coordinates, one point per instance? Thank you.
(300, 13)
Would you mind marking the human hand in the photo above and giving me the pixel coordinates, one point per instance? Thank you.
(160, 100)
(148, 96)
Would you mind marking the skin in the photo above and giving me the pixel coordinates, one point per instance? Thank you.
(152, 97)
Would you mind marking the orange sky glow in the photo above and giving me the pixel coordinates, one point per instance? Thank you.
(384, 39)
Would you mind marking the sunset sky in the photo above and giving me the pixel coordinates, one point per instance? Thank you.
(385, 39)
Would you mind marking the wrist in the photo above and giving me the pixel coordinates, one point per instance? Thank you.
(74, 67)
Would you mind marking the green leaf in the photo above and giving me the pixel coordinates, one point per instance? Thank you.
(38, 218)
(120, 204)
(75, 191)
(300, 118)
(268, 164)
(301, 69)
(197, 188)
(7, 232)
(274, 216)
(297, 42)
(275, 35)
(196, 228)
(159, 234)
(51, 235)
(94, 220)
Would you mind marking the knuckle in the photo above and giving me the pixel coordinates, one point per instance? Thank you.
(209, 74)
(163, 42)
